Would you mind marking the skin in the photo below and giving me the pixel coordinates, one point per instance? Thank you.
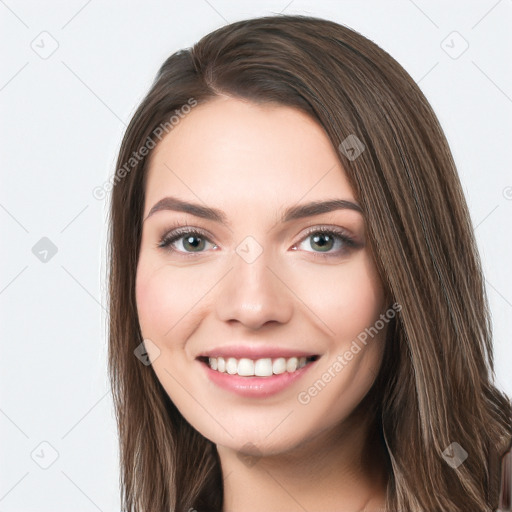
(253, 161)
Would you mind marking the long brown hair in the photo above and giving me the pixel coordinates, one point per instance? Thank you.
(435, 386)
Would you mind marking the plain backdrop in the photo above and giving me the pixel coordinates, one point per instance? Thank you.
(72, 74)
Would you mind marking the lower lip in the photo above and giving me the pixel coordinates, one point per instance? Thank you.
(255, 387)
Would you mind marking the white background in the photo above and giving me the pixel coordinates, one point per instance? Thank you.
(62, 119)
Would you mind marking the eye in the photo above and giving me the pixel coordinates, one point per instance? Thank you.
(190, 240)
(324, 239)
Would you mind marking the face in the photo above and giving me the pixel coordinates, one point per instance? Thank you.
(251, 283)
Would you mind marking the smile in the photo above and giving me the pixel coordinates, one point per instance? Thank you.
(264, 367)
(255, 378)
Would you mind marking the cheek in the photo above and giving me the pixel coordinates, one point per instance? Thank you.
(170, 301)
(160, 300)
(347, 300)
(351, 306)
(152, 301)
(361, 301)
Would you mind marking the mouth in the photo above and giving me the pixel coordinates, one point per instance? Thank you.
(262, 367)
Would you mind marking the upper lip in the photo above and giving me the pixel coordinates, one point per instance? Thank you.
(255, 352)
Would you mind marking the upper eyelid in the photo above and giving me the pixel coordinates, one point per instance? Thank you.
(185, 228)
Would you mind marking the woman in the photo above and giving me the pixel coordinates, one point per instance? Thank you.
(298, 316)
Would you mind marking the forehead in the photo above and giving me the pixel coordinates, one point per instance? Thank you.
(235, 152)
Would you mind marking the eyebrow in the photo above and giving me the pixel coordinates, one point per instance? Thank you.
(291, 213)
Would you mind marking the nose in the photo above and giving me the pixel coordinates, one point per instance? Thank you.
(254, 294)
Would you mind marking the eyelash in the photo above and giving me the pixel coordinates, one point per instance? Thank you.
(339, 234)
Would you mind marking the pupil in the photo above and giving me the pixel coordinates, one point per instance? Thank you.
(323, 247)
(195, 246)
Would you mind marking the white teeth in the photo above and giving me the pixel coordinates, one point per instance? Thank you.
(260, 367)
(232, 366)
(279, 366)
(263, 368)
(291, 364)
(245, 367)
